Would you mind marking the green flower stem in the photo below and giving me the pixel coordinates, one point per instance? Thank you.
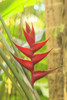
(21, 82)
(10, 38)
(14, 82)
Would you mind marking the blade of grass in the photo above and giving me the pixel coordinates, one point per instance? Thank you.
(10, 38)
(13, 81)
(21, 82)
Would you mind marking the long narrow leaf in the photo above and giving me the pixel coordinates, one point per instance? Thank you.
(5, 42)
(16, 63)
(10, 38)
(18, 67)
(13, 81)
(21, 82)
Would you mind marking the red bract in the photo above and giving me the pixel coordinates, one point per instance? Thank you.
(26, 63)
(27, 28)
(39, 74)
(33, 34)
(38, 57)
(30, 37)
(37, 46)
(26, 51)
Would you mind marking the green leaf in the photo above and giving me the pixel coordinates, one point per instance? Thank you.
(10, 7)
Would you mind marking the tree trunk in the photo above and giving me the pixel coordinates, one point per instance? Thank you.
(54, 19)
(65, 51)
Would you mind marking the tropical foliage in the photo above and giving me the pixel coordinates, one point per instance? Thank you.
(16, 13)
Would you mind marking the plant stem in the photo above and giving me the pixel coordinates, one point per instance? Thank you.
(10, 38)
(13, 81)
(17, 65)
(21, 82)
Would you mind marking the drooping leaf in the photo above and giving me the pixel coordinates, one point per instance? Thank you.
(11, 7)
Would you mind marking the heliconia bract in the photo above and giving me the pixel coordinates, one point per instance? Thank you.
(29, 52)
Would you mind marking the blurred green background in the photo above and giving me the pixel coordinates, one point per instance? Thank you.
(16, 13)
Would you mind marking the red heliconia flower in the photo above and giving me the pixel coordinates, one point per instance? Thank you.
(29, 52)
